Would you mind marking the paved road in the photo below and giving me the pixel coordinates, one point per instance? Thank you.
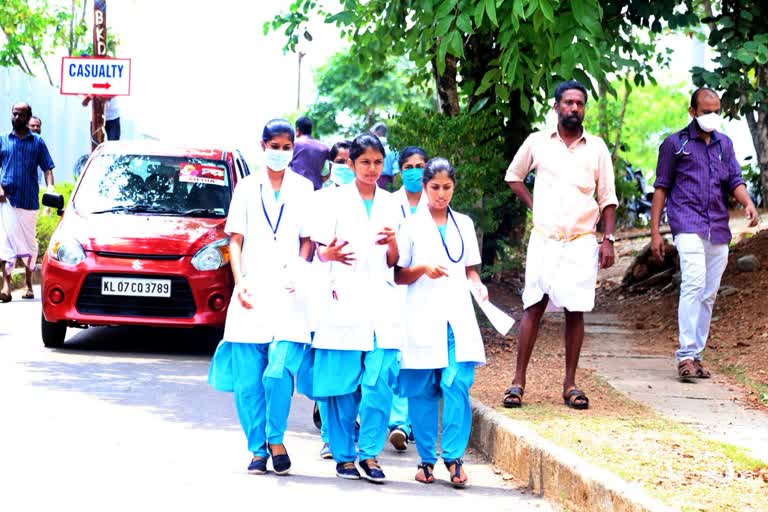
(122, 419)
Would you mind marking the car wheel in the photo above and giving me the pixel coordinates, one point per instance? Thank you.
(53, 333)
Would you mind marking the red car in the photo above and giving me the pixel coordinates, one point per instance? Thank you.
(142, 241)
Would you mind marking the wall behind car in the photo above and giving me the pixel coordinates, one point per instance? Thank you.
(65, 121)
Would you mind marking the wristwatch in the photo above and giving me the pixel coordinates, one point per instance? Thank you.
(609, 237)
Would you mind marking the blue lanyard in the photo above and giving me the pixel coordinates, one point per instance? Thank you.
(266, 215)
(445, 246)
(402, 209)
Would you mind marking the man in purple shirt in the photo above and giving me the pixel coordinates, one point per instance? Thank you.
(309, 155)
(696, 174)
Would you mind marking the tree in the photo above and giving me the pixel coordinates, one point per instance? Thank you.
(739, 36)
(349, 100)
(34, 30)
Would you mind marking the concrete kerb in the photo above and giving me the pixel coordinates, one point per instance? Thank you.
(551, 471)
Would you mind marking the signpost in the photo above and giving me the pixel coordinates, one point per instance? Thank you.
(95, 76)
(99, 50)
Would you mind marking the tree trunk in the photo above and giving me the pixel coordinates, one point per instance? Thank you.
(620, 123)
(758, 127)
(447, 86)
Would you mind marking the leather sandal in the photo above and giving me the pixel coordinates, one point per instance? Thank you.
(686, 369)
(575, 399)
(701, 372)
(456, 480)
(427, 471)
(513, 397)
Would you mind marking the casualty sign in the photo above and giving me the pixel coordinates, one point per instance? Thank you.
(96, 76)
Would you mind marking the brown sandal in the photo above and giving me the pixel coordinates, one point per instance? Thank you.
(513, 397)
(5, 297)
(701, 372)
(686, 369)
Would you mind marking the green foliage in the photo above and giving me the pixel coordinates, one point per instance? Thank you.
(501, 46)
(34, 30)
(350, 100)
(652, 113)
(740, 38)
(46, 224)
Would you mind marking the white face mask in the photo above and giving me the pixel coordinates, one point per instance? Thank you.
(278, 160)
(709, 122)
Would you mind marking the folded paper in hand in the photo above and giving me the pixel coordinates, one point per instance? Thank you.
(500, 321)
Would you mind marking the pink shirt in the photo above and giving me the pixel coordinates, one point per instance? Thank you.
(573, 183)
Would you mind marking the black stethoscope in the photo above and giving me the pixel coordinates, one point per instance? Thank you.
(266, 215)
(461, 237)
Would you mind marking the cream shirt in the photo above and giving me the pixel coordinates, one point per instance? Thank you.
(573, 183)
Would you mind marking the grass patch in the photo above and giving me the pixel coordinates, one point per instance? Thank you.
(672, 462)
(760, 389)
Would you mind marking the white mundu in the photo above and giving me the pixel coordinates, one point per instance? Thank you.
(405, 206)
(355, 296)
(433, 303)
(271, 228)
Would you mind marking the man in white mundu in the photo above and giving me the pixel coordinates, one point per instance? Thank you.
(572, 167)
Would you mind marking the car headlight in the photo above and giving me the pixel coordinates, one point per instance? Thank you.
(66, 250)
(213, 256)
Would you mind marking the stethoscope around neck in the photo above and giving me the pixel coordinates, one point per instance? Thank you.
(461, 237)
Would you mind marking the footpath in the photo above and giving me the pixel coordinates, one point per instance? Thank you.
(710, 406)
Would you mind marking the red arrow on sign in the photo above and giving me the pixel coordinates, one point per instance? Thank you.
(102, 86)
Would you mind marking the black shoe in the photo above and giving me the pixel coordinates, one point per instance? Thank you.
(316, 419)
(258, 466)
(281, 464)
(373, 472)
(347, 471)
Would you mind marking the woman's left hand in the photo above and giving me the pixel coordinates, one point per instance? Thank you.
(387, 236)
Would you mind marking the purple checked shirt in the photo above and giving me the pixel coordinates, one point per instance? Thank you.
(699, 178)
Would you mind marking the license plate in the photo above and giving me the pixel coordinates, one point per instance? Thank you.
(134, 287)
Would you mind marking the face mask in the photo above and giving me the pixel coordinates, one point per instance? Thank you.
(412, 179)
(709, 122)
(278, 160)
(341, 174)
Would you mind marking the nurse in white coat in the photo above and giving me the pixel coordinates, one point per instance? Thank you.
(438, 253)
(411, 161)
(355, 351)
(266, 332)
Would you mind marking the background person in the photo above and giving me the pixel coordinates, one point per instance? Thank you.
(696, 173)
(21, 154)
(572, 167)
(309, 155)
(439, 253)
(390, 160)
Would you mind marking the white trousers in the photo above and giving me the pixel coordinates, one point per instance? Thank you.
(702, 264)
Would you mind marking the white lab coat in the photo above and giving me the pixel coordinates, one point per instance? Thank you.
(405, 206)
(365, 289)
(433, 303)
(270, 262)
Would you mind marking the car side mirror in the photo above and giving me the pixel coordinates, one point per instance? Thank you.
(55, 201)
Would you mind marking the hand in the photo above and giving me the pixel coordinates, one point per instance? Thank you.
(244, 296)
(333, 252)
(481, 291)
(435, 271)
(387, 236)
(2, 195)
(751, 213)
(87, 100)
(658, 247)
(605, 255)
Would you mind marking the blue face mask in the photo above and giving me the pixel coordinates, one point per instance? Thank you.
(412, 179)
(278, 160)
(341, 174)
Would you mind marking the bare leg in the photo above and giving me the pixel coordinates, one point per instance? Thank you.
(28, 278)
(6, 288)
(574, 337)
(529, 330)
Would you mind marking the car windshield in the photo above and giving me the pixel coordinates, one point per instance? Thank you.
(154, 185)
